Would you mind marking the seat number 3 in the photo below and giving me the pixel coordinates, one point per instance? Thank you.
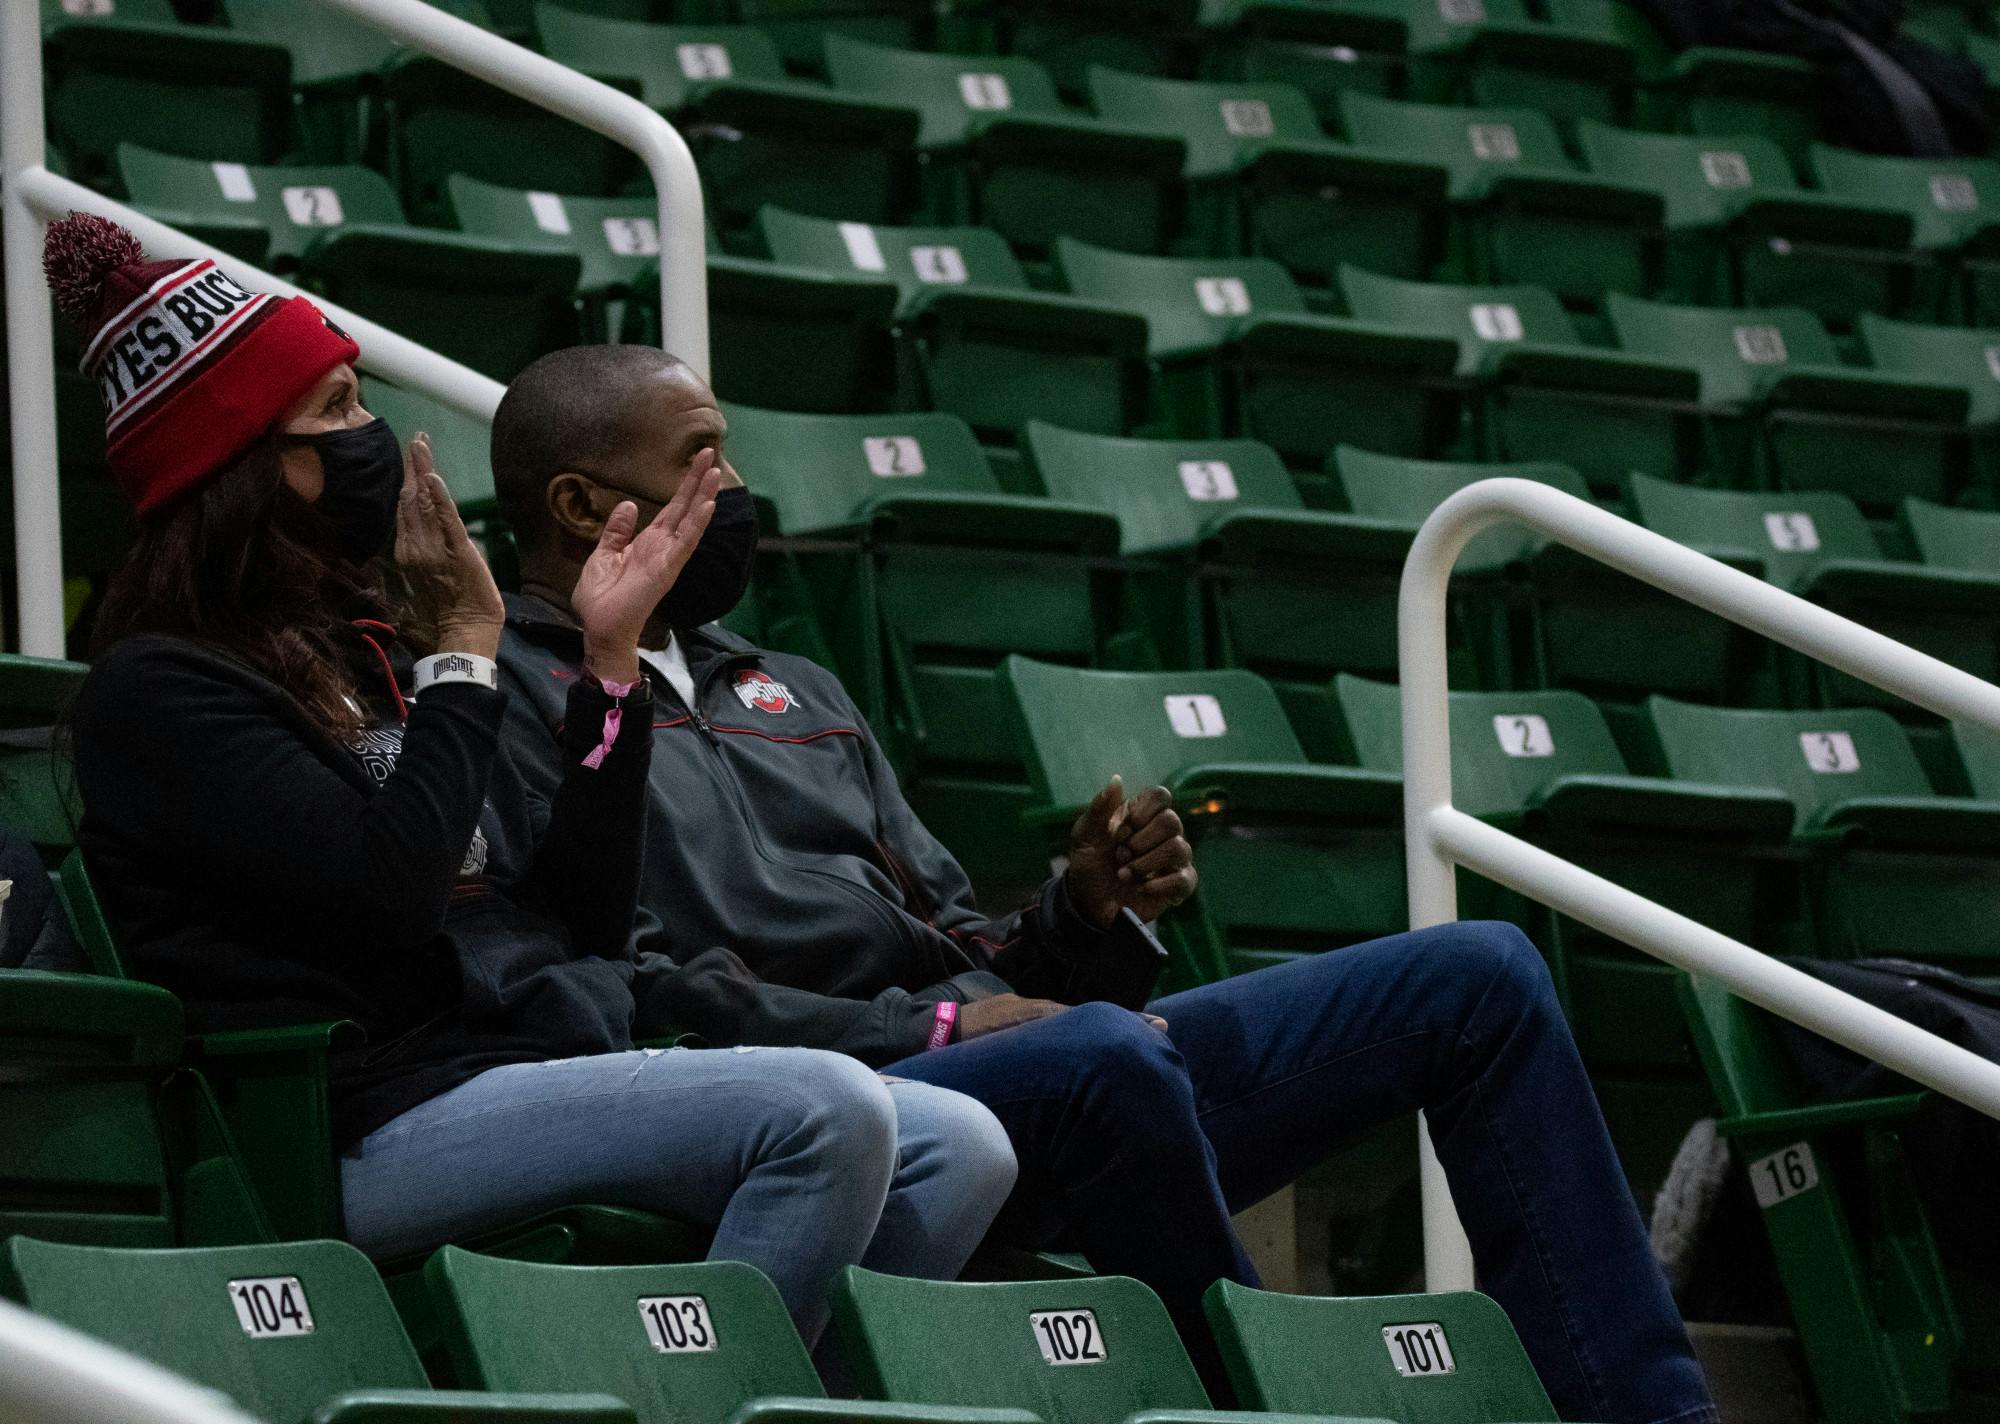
(1067, 1337)
(1419, 1349)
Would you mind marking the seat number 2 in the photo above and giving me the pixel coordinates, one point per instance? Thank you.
(1067, 1337)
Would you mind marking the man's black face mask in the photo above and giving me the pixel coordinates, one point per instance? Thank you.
(718, 571)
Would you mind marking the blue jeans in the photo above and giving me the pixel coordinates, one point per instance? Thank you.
(804, 1162)
(1141, 1144)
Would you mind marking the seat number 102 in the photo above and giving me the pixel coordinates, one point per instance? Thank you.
(1419, 1349)
(1067, 1337)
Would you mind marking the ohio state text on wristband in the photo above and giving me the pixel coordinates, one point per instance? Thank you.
(614, 717)
(942, 1025)
(455, 667)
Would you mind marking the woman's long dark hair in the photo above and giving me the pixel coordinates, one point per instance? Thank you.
(244, 565)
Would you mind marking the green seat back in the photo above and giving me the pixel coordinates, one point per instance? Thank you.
(817, 473)
(1474, 316)
(1032, 1337)
(37, 794)
(187, 1310)
(1818, 758)
(1947, 198)
(1506, 747)
(298, 206)
(617, 240)
(682, 1344)
(1165, 493)
(915, 258)
(1407, 491)
(1190, 303)
(1978, 751)
(1942, 355)
(461, 444)
(1967, 539)
(1435, 25)
(800, 27)
(1472, 144)
(1221, 122)
(951, 91)
(668, 62)
(1703, 180)
(146, 12)
(1443, 1359)
(1793, 533)
(1078, 727)
(1735, 350)
(327, 46)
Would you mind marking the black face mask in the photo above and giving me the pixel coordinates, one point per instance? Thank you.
(718, 571)
(364, 479)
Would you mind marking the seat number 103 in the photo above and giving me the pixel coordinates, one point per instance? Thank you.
(1067, 1337)
(1419, 1349)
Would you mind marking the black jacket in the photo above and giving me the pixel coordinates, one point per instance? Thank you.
(254, 865)
(789, 894)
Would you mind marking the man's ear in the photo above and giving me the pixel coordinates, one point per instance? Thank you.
(572, 505)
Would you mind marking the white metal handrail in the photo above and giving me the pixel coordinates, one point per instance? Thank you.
(30, 196)
(1439, 837)
(54, 1375)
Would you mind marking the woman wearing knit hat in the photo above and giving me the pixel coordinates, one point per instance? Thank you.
(293, 821)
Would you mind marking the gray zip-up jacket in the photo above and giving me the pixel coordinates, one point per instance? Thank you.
(789, 894)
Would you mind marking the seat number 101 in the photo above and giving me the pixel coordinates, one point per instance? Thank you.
(1067, 1337)
(1418, 1349)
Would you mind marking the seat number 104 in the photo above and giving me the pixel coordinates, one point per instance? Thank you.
(1067, 1337)
(1419, 1349)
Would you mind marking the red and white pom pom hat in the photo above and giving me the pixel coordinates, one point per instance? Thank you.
(192, 366)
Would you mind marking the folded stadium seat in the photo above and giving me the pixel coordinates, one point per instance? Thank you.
(1069, 39)
(891, 1327)
(1449, 1358)
(758, 135)
(1323, 48)
(709, 1344)
(1238, 352)
(298, 1331)
(461, 443)
(800, 27)
(1264, 179)
(1815, 544)
(1538, 384)
(1948, 355)
(1784, 413)
(1746, 234)
(1001, 150)
(1707, 89)
(1533, 215)
(1869, 1293)
(1954, 202)
(490, 304)
(132, 72)
(1895, 868)
(938, 575)
(975, 339)
(1545, 765)
(1573, 65)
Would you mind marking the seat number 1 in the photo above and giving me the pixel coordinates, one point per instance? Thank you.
(1419, 1349)
(1067, 1337)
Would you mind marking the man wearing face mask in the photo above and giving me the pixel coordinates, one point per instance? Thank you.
(789, 896)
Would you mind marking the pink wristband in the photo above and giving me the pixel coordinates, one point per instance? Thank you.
(614, 717)
(942, 1025)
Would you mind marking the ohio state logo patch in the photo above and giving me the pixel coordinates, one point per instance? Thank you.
(759, 690)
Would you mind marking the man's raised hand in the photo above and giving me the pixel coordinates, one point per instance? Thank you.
(1129, 854)
(631, 570)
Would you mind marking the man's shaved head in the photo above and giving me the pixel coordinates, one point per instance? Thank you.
(581, 409)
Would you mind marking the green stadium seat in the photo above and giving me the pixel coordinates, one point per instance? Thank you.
(1869, 1294)
(37, 797)
(146, 12)
(1574, 65)
(917, 498)
(979, 342)
(1445, 1359)
(891, 1327)
(1784, 412)
(182, 88)
(462, 444)
(1534, 216)
(1817, 545)
(1746, 234)
(1947, 355)
(758, 135)
(1324, 48)
(1539, 384)
(1896, 868)
(1264, 179)
(299, 1331)
(1954, 204)
(1006, 154)
(1237, 351)
(1069, 40)
(1295, 857)
(1707, 89)
(708, 1344)
(1545, 765)
(800, 27)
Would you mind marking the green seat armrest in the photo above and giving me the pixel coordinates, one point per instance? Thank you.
(1821, 218)
(191, 53)
(1583, 369)
(316, 1038)
(413, 252)
(973, 308)
(735, 100)
(1858, 392)
(1251, 536)
(1019, 138)
(86, 1019)
(1008, 521)
(239, 236)
(860, 1411)
(1348, 169)
(1911, 587)
(466, 1406)
(1798, 1122)
(1915, 822)
(1650, 803)
(1325, 793)
(1571, 192)
(1387, 350)
(1716, 66)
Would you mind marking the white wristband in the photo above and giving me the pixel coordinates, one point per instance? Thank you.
(455, 667)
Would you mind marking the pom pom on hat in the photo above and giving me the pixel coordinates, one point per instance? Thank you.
(78, 254)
